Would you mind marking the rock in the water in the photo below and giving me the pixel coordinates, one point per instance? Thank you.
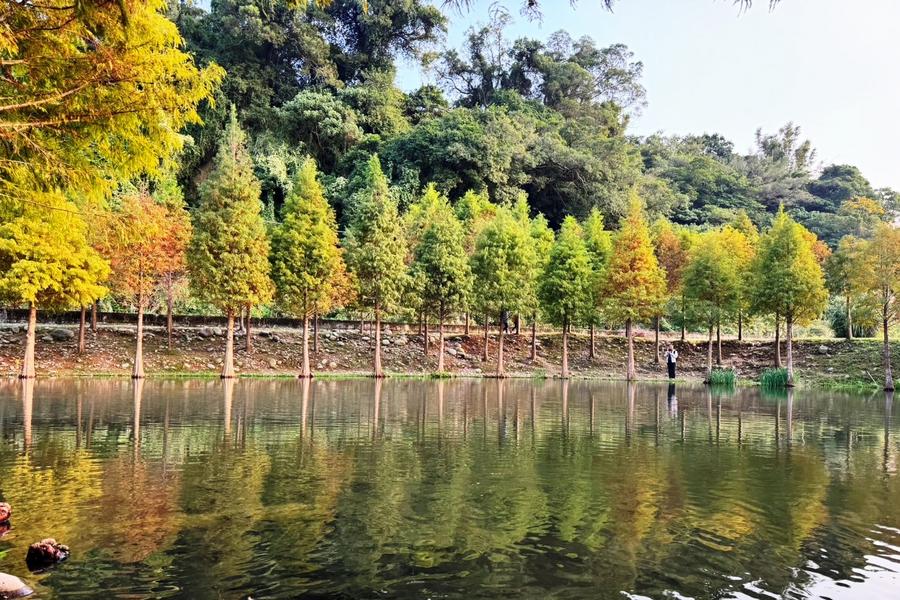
(5, 512)
(13, 587)
(45, 553)
(62, 335)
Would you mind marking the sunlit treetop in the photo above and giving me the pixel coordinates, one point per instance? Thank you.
(92, 92)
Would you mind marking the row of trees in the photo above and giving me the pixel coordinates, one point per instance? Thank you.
(435, 260)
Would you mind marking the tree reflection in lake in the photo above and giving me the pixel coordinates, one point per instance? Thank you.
(460, 488)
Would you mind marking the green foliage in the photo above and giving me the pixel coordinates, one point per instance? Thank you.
(774, 379)
(45, 259)
(634, 287)
(566, 282)
(503, 264)
(722, 378)
(375, 242)
(440, 265)
(713, 279)
(307, 265)
(229, 257)
(93, 93)
(785, 276)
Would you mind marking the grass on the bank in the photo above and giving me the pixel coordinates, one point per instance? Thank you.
(723, 377)
(774, 379)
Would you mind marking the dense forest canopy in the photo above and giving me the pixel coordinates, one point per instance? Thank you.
(547, 117)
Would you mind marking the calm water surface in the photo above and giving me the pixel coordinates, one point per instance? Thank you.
(457, 489)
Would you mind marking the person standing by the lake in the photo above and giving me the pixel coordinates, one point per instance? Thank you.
(671, 359)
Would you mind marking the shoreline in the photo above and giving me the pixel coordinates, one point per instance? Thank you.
(197, 353)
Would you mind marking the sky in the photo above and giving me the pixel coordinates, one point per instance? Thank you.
(830, 66)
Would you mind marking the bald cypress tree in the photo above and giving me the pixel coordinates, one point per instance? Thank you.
(376, 247)
(441, 267)
(564, 285)
(634, 285)
(46, 262)
(786, 278)
(229, 255)
(307, 262)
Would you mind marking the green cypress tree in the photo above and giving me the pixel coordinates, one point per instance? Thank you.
(46, 262)
(634, 286)
(376, 247)
(503, 268)
(229, 256)
(786, 279)
(564, 286)
(306, 259)
(542, 239)
(441, 266)
(882, 268)
(712, 283)
(598, 242)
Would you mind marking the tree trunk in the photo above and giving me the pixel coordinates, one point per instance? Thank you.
(534, 338)
(467, 323)
(888, 374)
(564, 373)
(849, 320)
(683, 318)
(248, 341)
(28, 363)
(500, 370)
(138, 371)
(656, 338)
(94, 317)
(630, 374)
(718, 343)
(484, 355)
(170, 321)
(316, 333)
(421, 323)
(777, 341)
(740, 326)
(441, 342)
(362, 323)
(305, 372)
(425, 336)
(789, 334)
(593, 349)
(228, 367)
(709, 354)
(81, 328)
(378, 371)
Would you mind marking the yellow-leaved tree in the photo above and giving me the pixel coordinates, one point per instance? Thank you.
(634, 286)
(47, 263)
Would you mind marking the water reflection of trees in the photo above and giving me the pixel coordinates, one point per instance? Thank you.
(233, 486)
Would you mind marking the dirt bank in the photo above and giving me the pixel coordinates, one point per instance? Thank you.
(277, 352)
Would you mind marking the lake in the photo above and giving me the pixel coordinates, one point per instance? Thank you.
(450, 489)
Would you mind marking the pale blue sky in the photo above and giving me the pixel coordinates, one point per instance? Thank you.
(830, 66)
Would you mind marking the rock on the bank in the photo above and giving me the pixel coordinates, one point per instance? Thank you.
(13, 587)
(62, 335)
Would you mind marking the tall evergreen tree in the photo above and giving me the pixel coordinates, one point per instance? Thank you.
(634, 286)
(503, 269)
(229, 258)
(306, 258)
(542, 239)
(565, 284)
(598, 242)
(376, 247)
(441, 266)
(883, 269)
(712, 283)
(846, 274)
(786, 279)
(46, 262)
